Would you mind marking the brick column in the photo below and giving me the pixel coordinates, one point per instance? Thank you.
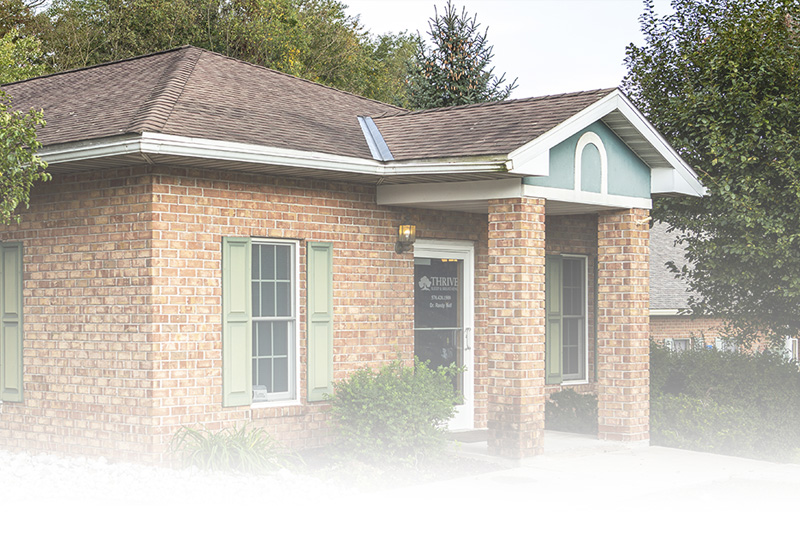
(516, 325)
(623, 325)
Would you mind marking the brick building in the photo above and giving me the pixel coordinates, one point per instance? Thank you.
(221, 242)
(671, 322)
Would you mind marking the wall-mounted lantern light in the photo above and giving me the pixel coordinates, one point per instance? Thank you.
(406, 235)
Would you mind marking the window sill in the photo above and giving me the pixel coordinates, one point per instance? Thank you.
(580, 382)
(275, 404)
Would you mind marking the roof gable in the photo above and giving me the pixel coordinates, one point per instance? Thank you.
(479, 129)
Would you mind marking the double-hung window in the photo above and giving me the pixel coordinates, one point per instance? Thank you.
(274, 316)
(260, 320)
(566, 353)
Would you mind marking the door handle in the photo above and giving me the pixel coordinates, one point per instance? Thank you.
(468, 338)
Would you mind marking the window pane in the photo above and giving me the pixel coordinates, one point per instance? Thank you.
(280, 337)
(264, 375)
(262, 339)
(256, 299)
(573, 287)
(256, 269)
(573, 348)
(283, 299)
(280, 374)
(267, 262)
(282, 263)
(267, 299)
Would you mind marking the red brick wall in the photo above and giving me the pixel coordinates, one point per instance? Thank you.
(683, 327)
(516, 328)
(122, 301)
(623, 325)
(88, 303)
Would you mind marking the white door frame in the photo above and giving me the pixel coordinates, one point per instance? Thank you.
(464, 418)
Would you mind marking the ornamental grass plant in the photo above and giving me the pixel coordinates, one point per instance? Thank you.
(242, 449)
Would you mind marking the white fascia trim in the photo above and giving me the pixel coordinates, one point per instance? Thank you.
(612, 102)
(173, 145)
(668, 181)
(153, 143)
(586, 197)
(417, 194)
(117, 146)
(664, 312)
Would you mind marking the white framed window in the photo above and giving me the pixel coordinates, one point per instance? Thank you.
(573, 292)
(274, 319)
(566, 326)
(681, 344)
(725, 344)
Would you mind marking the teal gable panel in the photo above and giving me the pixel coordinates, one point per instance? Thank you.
(562, 163)
(627, 174)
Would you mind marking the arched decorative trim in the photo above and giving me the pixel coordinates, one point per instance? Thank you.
(591, 138)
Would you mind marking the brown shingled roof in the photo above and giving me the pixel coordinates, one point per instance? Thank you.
(192, 92)
(479, 129)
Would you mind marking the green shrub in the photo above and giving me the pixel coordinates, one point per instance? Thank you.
(397, 413)
(250, 450)
(569, 411)
(731, 402)
(688, 422)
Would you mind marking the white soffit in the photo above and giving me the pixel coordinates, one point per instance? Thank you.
(454, 196)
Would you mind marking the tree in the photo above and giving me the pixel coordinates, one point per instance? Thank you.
(455, 70)
(15, 14)
(20, 57)
(20, 167)
(721, 80)
(313, 39)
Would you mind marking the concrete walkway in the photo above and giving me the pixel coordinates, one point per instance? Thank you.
(578, 485)
(583, 484)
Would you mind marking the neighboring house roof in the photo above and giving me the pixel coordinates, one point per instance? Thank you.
(668, 295)
(189, 106)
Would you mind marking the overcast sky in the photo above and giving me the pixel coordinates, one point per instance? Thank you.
(551, 46)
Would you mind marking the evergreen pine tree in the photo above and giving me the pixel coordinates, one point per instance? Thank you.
(455, 69)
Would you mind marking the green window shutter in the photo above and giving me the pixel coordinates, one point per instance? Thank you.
(553, 318)
(11, 322)
(319, 312)
(237, 337)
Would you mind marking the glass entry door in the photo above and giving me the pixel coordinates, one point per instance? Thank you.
(443, 315)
